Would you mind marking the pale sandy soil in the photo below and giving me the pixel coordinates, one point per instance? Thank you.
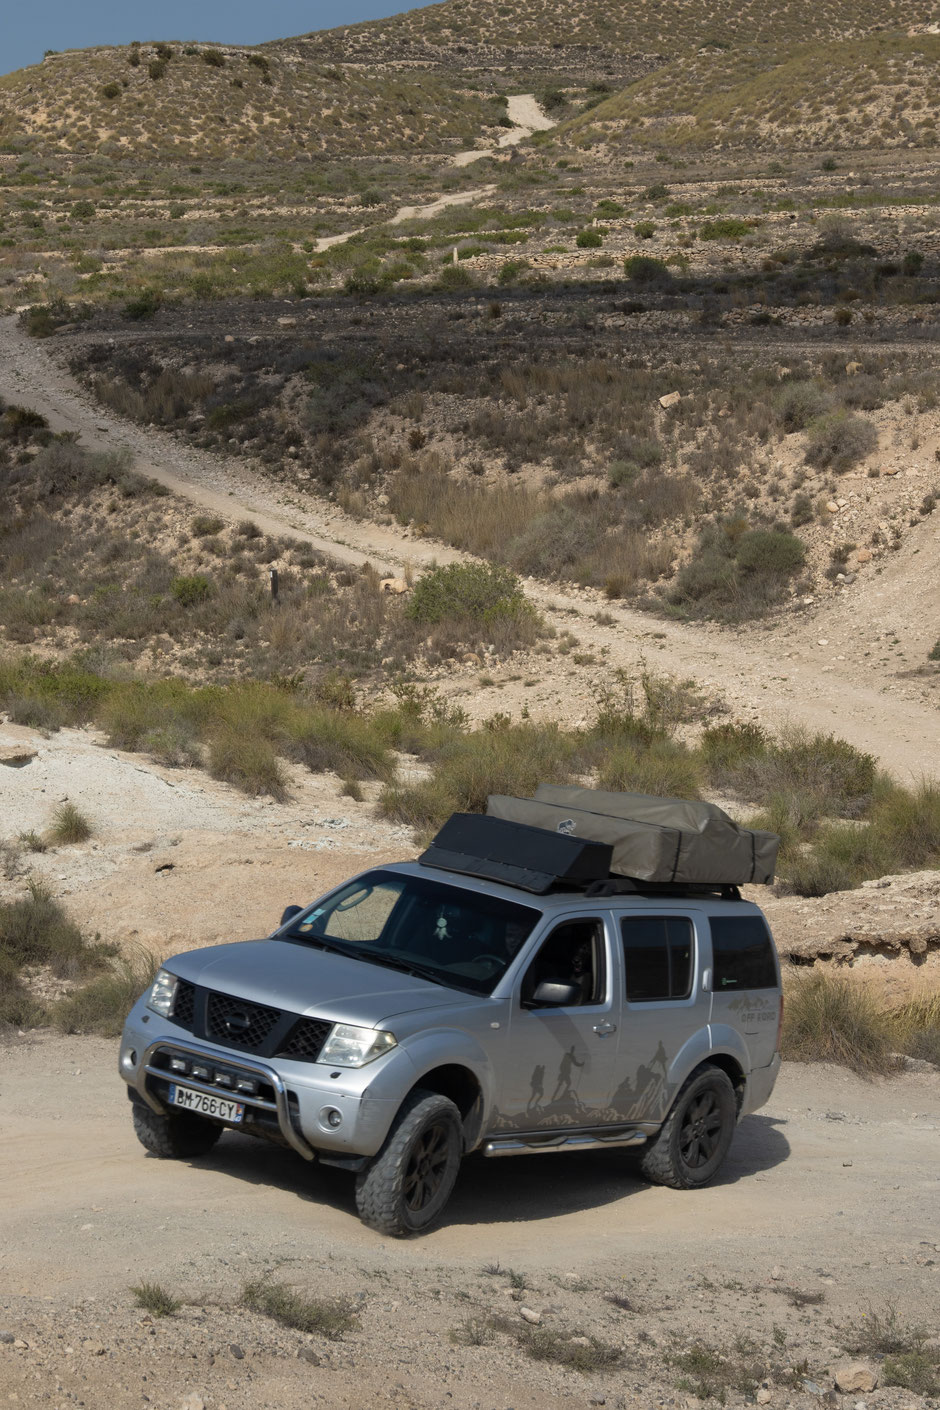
(832, 1190)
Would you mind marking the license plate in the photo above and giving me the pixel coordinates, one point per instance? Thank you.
(219, 1107)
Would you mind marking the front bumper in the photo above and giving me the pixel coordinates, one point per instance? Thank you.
(332, 1115)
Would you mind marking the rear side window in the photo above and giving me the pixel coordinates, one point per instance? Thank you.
(742, 954)
(657, 957)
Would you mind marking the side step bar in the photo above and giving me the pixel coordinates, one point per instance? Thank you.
(586, 1141)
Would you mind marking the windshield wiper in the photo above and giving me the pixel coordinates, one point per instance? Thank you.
(391, 961)
(370, 956)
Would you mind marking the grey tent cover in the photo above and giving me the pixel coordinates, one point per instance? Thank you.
(653, 839)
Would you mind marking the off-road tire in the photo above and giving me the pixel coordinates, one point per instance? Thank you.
(696, 1135)
(178, 1137)
(405, 1188)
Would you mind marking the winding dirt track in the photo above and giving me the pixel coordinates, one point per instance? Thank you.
(808, 668)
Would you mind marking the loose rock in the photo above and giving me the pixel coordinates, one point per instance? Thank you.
(855, 1376)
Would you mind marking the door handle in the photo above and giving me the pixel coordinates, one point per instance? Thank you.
(602, 1029)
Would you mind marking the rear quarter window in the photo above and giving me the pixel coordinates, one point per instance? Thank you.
(742, 954)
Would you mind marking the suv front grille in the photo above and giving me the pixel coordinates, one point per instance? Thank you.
(238, 1023)
(249, 1027)
(184, 1005)
(305, 1039)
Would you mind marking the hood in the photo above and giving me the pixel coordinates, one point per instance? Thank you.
(316, 983)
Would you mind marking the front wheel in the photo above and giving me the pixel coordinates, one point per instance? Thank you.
(697, 1133)
(181, 1136)
(405, 1188)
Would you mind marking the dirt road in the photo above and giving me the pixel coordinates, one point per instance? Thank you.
(833, 1190)
(814, 668)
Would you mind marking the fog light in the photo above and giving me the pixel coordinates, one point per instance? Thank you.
(247, 1085)
(329, 1116)
(129, 1059)
(179, 1065)
(223, 1079)
(199, 1071)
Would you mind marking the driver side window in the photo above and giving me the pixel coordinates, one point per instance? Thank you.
(572, 954)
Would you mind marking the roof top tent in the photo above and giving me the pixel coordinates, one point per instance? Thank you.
(662, 841)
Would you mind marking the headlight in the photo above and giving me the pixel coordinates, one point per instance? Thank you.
(354, 1047)
(162, 993)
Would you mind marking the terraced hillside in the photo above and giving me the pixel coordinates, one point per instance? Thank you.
(879, 91)
(663, 27)
(197, 102)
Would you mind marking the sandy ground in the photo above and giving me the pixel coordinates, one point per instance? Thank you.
(833, 1189)
(525, 111)
(425, 212)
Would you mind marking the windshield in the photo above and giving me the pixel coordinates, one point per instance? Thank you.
(444, 933)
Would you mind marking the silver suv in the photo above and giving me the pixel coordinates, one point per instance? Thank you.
(415, 1015)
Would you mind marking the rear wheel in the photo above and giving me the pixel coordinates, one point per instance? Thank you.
(405, 1188)
(178, 1137)
(696, 1135)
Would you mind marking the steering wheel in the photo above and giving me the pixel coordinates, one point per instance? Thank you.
(493, 960)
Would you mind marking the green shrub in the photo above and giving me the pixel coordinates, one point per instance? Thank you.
(477, 592)
(205, 524)
(589, 239)
(798, 403)
(35, 930)
(110, 90)
(328, 1317)
(644, 230)
(770, 553)
(665, 768)
(841, 857)
(156, 1300)
(738, 572)
(214, 58)
(512, 270)
(156, 69)
(911, 821)
(842, 317)
(102, 1005)
(829, 1018)
(190, 589)
(455, 276)
(143, 305)
(839, 440)
(503, 758)
(727, 228)
(644, 269)
(348, 744)
(912, 263)
(729, 747)
(84, 210)
(247, 762)
(69, 825)
(913, 1370)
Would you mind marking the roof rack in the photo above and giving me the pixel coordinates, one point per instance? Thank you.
(631, 886)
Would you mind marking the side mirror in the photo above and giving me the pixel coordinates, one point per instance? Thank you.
(550, 995)
(289, 913)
